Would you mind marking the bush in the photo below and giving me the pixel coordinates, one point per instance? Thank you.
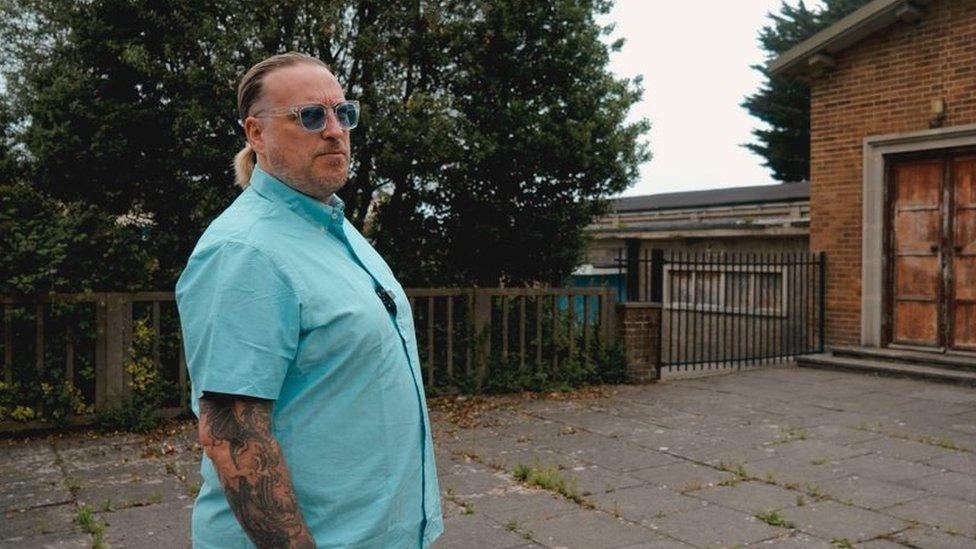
(148, 389)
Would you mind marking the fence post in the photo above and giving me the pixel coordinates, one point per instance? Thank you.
(823, 299)
(633, 270)
(114, 320)
(638, 330)
(482, 331)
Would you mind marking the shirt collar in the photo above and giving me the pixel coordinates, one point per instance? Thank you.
(308, 207)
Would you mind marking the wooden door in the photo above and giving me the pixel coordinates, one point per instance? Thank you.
(962, 250)
(916, 220)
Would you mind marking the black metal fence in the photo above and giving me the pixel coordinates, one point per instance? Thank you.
(726, 310)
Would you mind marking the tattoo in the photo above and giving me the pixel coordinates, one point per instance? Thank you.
(236, 433)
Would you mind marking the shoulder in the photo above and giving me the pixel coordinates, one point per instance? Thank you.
(241, 240)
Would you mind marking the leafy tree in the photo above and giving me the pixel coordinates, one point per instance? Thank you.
(783, 102)
(50, 246)
(498, 122)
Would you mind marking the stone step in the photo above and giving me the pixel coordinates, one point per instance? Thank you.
(829, 361)
(932, 359)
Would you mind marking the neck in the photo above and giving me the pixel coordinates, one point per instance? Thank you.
(310, 190)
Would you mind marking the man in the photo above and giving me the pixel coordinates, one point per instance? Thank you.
(300, 344)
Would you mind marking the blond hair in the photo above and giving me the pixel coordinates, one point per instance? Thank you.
(249, 92)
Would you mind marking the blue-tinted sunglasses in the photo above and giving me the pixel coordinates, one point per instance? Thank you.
(313, 117)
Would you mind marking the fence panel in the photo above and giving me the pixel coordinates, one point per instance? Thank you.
(84, 348)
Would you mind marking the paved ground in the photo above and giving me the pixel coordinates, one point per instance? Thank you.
(776, 458)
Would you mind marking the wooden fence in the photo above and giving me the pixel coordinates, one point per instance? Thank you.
(86, 340)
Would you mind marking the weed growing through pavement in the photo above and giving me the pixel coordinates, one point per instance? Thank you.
(86, 519)
(550, 479)
(773, 518)
(800, 502)
(512, 525)
(842, 542)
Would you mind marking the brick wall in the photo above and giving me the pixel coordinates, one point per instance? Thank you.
(638, 330)
(884, 84)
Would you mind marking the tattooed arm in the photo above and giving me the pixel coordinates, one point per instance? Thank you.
(235, 431)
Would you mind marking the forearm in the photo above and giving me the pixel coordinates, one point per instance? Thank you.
(236, 434)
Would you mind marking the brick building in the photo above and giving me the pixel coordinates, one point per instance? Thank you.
(893, 173)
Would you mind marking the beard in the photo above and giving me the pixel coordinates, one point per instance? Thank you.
(305, 178)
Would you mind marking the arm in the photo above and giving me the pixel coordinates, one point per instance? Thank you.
(235, 431)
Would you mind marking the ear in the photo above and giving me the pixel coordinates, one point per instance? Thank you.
(254, 132)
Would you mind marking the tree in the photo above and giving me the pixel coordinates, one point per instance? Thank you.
(783, 102)
(129, 106)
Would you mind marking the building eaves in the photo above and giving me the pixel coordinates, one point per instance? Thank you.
(759, 194)
(817, 52)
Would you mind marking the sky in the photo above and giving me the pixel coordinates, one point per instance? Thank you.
(695, 57)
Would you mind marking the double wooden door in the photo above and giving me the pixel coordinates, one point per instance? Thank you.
(932, 252)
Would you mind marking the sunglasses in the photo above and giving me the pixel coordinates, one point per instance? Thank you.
(315, 116)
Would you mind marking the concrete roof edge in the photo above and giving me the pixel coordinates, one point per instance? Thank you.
(866, 20)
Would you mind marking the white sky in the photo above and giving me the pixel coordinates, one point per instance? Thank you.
(695, 58)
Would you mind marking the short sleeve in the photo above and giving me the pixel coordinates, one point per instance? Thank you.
(240, 319)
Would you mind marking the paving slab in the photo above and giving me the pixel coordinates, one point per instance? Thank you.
(887, 469)
(831, 520)
(949, 515)
(715, 526)
(908, 450)
(160, 526)
(793, 540)
(798, 470)
(960, 462)
(588, 529)
(868, 492)
(925, 537)
(593, 479)
(38, 522)
(949, 484)
(29, 492)
(474, 532)
(644, 503)
(749, 497)
(63, 540)
(682, 476)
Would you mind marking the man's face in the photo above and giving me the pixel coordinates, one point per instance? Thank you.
(314, 162)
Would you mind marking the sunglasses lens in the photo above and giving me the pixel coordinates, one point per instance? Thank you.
(313, 117)
(348, 114)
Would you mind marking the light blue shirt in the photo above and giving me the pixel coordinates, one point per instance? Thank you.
(279, 301)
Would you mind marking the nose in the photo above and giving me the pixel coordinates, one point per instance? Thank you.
(332, 130)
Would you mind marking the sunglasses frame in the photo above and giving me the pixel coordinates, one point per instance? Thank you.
(295, 112)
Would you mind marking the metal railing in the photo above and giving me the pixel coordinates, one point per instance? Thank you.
(722, 310)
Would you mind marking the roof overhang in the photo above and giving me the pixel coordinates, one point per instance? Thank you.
(816, 54)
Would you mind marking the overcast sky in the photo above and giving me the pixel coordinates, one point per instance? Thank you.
(695, 58)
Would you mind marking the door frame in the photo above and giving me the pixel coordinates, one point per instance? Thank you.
(873, 217)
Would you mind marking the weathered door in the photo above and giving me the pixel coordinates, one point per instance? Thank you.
(916, 271)
(962, 252)
(933, 252)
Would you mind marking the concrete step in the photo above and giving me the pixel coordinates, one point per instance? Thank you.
(934, 359)
(831, 361)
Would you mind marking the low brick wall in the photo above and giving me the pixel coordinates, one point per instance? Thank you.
(638, 326)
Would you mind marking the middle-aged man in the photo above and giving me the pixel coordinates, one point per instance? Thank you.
(300, 344)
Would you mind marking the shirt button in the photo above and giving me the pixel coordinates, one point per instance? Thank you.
(335, 215)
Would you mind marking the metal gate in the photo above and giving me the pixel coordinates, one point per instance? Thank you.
(726, 310)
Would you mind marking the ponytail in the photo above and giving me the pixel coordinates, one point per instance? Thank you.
(244, 162)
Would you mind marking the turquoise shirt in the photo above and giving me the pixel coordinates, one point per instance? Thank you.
(279, 301)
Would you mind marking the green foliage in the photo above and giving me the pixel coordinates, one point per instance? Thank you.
(147, 387)
(51, 246)
(549, 478)
(773, 518)
(783, 102)
(499, 122)
(86, 520)
(604, 364)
